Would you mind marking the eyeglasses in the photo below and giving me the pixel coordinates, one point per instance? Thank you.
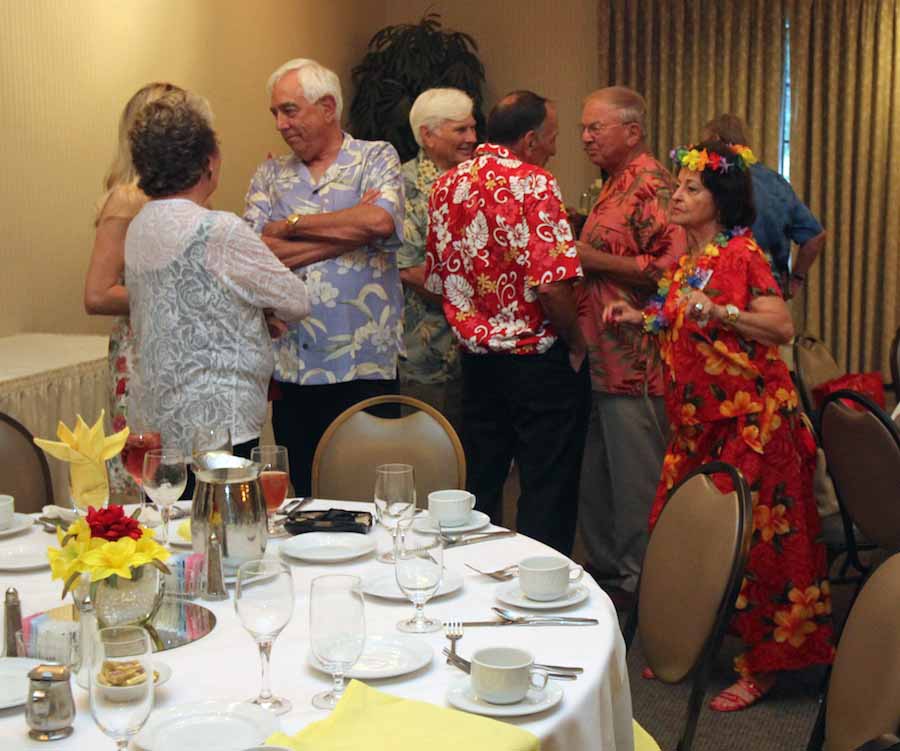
(596, 128)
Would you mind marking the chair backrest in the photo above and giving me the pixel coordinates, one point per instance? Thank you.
(687, 591)
(864, 692)
(24, 473)
(813, 366)
(356, 442)
(862, 450)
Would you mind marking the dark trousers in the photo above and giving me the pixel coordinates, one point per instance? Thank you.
(534, 409)
(303, 414)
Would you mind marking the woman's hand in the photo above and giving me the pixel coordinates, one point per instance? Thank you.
(276, 326)
(699, 306)
(621, 312)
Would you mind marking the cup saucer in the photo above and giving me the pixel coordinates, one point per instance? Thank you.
(512, 594)
(462, 696)
(425, 523)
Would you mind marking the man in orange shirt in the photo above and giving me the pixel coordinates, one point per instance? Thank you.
(625, 246)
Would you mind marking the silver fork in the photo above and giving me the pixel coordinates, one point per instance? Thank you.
(466, 666)
(453, 630)
(501, 574)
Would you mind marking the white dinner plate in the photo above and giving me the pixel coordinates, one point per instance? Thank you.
(385, 657)
(22, 556)
(219, 725)
(328, 547)
(14, 680)
(477, 520)
(20, 523)
(385, 585)
(125, 692)
(512, 594)
(462, 696)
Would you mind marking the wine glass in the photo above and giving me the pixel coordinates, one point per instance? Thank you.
(419, 568)
(140, 440)
(274, 476)
(209, 443)
(337, 629)
(395, 499)
(121, 653)
(264, 601)
(165, 478)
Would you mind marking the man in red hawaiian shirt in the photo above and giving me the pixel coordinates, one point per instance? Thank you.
(502, 255)
(625, 246)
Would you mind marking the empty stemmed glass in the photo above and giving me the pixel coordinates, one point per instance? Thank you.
(395, 499)
(419, 568)
(337, 629)
(209, 443)
(121, 653)
(165, 478)
(264, 601)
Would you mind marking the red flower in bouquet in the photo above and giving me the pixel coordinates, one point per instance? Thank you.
(112, 524)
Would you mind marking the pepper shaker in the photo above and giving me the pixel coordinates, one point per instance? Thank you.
(212, 582)
(12, 621)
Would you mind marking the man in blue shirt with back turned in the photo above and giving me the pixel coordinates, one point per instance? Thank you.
(781, 217)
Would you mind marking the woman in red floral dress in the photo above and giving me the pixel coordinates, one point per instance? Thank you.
(720, 317)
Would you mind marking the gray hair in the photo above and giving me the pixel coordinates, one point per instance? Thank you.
(629, 105)
(434, 107)
(315, 81)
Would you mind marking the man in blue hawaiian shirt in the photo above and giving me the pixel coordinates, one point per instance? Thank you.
(332, 210)
(443, 125)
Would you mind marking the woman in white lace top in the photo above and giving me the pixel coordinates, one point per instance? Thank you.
(199, 282)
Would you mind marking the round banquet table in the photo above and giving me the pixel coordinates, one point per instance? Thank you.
(595, 712)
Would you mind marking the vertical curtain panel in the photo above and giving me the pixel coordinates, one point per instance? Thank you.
(693, 60)
(845, 138)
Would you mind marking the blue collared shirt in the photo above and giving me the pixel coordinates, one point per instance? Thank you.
(355, 328)
(781, 217)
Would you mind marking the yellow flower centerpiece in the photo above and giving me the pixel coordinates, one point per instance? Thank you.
(86, 449)
(118, 559)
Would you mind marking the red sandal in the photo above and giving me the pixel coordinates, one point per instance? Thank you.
(647, 674)
(729, 701)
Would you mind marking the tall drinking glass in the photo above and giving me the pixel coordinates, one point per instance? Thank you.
(337, 629)
(395, 499)
(264, 601)
(138, 443)
(419, 568)
(122, 658)
(165, 477)
(208, 443)
(274, 477)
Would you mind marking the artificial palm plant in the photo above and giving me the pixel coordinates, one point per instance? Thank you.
(402, 62)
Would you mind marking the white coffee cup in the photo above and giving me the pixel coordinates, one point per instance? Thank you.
(6, 511)
(503, 675)
(450, 508)
(544, 577)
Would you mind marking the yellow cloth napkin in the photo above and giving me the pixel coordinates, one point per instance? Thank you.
(184, 530)
(404, 724)
(86, 449)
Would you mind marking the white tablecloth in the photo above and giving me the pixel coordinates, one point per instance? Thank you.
(595, 712)
(45, 378)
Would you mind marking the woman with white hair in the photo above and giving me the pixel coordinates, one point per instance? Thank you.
(444, 127)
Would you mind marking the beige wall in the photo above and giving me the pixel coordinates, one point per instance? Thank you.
(66, 69)
(543, 45)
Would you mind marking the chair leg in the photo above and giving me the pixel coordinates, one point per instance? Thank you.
(817, 736)
(693, 710)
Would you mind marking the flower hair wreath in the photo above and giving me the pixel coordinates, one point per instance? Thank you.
(697, 161)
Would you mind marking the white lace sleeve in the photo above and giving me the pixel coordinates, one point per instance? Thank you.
(242, 262)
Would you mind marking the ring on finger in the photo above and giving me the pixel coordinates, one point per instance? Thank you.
(698, 307)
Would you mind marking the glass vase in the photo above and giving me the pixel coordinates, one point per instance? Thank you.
(128, 602)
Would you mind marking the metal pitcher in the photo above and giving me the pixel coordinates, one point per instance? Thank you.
(228, 500)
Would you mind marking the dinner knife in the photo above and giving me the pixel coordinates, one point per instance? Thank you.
(560, 622)
(480, 538)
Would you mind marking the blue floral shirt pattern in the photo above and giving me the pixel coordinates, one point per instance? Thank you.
(355, 329)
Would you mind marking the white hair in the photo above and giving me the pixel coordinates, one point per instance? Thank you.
(315, 81)
(434, 107)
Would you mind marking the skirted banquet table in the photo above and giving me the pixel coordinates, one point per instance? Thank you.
(595, 711)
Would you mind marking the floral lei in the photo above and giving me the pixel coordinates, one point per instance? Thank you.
(691, 274)
(697, 161)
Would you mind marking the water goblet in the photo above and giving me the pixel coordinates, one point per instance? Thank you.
(122, 656)
(264, 601)
(165, 478)
(208, 443)
(274, 477)
(419, 569)
(337, 629)
(395, 499)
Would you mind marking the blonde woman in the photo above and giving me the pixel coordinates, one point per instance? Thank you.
(104, 288)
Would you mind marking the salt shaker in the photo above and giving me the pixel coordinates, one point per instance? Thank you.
(213, 581)
(12, 620)
(50, 708)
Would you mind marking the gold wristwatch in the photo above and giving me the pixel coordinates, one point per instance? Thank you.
(732, 313)
(293, 221)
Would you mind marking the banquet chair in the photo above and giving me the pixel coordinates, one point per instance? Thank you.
(686, 593)
(356, 442)
(862, 449)
(24, 473)
(895, 365)
(861, 707)
(813, 366)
